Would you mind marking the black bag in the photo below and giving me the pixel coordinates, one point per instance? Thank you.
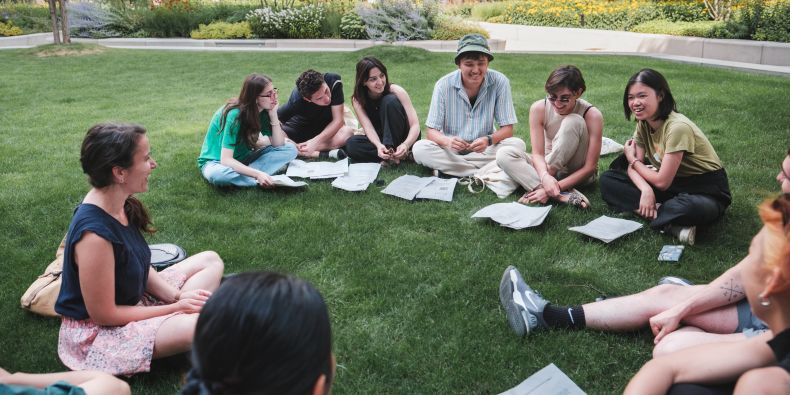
(166, 255)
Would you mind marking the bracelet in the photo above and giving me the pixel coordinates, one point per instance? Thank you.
(631, 164)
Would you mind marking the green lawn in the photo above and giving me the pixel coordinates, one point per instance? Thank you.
(411, 286)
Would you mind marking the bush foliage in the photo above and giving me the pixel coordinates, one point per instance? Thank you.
(223, 30)
(8, 29)
(299, 22)
(398, 20)
(709, 29)
(352, 27)
(453, 28)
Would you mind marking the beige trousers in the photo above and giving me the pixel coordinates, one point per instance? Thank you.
(434, 156)
(568, 154)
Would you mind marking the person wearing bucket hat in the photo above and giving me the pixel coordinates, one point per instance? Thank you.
(465, 105)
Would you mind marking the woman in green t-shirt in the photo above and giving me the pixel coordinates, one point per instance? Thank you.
(244, 145)
(669, 172)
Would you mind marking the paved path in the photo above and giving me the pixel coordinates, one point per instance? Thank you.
(755, 56)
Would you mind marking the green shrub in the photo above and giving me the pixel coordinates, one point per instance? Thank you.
(330, 24)
(30, 18)
(398, 20)
(610, 14)
(682, 10)
(300, 22)
(453, 28)
(708, 29)
(222, 30)
(486, 11)
(8, 29)
(352, 27)
(775, 22)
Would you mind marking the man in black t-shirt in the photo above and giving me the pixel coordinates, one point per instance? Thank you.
(313, 115)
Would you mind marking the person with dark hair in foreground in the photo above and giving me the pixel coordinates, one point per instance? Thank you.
(118, 312)
(759, 365)
(669, 172)
(565, 131)
(313, 116)
(84, 382)
(262, 333)
(712, 313)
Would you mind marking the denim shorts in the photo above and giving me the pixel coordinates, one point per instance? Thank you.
(748, 323)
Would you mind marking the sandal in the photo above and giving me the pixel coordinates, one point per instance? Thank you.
(577, 199)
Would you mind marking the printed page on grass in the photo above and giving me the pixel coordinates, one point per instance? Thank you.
(607, 229)
(282, 180)
(514, 215)
(359, 176)
(317, 170)
(438, 189)
(549, 380)
(407, 187)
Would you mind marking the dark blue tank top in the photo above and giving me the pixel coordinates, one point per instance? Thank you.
(132, 260)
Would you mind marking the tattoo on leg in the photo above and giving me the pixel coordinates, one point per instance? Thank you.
(732, 291)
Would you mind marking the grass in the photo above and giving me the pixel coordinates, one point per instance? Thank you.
(411, 286)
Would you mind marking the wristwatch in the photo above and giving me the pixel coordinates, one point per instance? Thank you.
(490, 140)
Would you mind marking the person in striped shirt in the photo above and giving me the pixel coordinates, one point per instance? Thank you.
(466, 104)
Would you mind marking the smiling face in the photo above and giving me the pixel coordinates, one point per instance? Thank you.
(135, 178)
(322, 97)
(375, 82)
(563, 100)
(643, 101)
(784, 175)
(473, 70)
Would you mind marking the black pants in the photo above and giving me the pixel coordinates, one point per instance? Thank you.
(392, 133)
(689, 201)
(697, 389)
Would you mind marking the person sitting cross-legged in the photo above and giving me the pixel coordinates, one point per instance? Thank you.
(461, 137)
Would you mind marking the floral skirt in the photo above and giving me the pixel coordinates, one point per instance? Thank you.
(118, 350)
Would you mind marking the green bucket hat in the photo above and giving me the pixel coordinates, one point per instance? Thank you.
(473, 43)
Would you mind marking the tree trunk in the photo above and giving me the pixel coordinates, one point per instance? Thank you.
(64, 21)
(53, 14)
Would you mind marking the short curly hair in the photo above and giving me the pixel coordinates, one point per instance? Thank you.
(309, 83)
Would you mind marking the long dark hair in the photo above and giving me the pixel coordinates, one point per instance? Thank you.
(363, 72)
(248, 121)
(109, 145)
(261, 333)
(658, 83)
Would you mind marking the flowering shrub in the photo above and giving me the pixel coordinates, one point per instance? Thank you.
(398, 20)
(8, 29)
(302, 22)
(222, 30)
(453, 28)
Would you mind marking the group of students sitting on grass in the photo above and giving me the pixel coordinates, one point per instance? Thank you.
(270, 333)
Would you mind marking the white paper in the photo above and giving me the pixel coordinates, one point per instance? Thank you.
(317, 170)
(547, 381)
(284, 181)
(514, 215)
(609, 146)
(438, 189)
(407, 187)
(359, 176)
(607, 229)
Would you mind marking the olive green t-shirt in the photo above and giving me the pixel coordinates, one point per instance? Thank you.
(678, 133)
(217, 139)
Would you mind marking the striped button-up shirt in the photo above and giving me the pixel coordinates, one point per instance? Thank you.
(453, 114)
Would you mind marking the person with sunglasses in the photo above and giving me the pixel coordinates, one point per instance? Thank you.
(244, 144)
(565, 132)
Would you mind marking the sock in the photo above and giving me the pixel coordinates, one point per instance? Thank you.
(564, 316)
(337, 154)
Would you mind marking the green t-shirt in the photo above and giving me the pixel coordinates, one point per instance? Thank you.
(678, 134)
(217, 139)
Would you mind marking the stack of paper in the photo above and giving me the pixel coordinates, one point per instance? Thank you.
(360, 175)
(284, 181)
(514, 215)
(607, 229)
(408, 187)
(317, 170)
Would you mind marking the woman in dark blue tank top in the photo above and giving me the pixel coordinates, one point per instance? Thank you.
(118, 312)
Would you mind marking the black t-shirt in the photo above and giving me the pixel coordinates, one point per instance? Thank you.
(301, 117)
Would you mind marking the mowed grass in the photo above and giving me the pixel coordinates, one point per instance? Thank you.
(411, 286)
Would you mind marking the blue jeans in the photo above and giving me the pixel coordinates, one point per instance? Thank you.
(273, 160)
